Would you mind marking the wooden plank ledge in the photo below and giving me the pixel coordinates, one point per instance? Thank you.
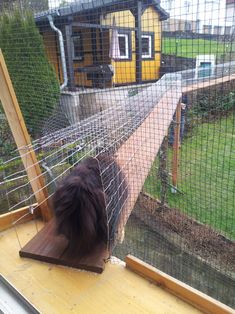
(196, 298)
(49, 247)
(7, 220)
(209, 83)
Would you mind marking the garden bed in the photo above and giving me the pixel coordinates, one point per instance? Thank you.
(180, 246)
(189, 234)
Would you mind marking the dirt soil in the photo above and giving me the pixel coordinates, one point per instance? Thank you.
(198, 239)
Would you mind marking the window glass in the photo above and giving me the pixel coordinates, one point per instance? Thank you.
(77, 46)
(205, 69)
(228, 30)
(217, 30)
(207, 29)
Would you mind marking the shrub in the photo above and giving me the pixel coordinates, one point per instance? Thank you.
(33, 77)
(7, 144)
(214, 104)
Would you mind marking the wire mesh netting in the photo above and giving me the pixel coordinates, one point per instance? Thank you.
(136, 98)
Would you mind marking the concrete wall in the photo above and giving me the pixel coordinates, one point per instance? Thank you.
(171, 63)
(85, 103)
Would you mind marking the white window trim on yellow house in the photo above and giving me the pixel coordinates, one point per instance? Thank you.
(127, 48)
(150, 43)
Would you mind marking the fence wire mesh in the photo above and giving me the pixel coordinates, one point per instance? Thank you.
(146, 90)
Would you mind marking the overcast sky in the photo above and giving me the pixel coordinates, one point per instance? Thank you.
(56, 3)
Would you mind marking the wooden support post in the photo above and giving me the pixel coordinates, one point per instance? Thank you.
(138, 41)
(22, 139)
(69, 44)
(162, 171)
(176, 146)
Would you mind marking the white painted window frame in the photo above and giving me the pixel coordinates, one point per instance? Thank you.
(205, 58)
(126, 36)
(149, 55)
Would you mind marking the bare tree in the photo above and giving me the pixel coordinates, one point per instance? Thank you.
(34, 5)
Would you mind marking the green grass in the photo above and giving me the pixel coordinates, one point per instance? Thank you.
(190, 48)
(206, 176)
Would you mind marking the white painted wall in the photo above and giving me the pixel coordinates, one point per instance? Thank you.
(230, 13)
(207, 12)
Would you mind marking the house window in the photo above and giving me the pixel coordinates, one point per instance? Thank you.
(205, 66)
(166, 26)
(147, 46)
(207, 29)
(77, 46)
(205, 69)
(217, 30)
(124, 46)
(188, 26)
(227, 30)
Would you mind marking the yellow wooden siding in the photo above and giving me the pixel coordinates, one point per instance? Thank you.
(125, 71)
(151, 23)
(50, 44)
(122, 19)
(151, 69)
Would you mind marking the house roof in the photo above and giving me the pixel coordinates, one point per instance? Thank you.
(230, 2)
(94, 5)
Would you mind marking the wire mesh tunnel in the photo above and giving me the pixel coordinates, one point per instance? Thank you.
(146, 90)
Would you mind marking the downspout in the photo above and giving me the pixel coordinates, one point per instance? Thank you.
(62, 52)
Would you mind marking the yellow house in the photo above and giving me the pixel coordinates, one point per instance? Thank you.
(80, 40)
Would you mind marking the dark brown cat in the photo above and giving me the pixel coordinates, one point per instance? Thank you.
(88, 203)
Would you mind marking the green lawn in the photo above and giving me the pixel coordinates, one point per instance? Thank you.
(190, 48)
(207, 176)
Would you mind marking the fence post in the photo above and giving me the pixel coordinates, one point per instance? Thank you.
(22, 139)
(163, 172)
(176, 147)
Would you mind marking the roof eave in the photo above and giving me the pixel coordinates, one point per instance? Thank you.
(162, 13)
(69, 10)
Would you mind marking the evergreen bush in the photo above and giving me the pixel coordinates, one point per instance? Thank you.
(33, 77)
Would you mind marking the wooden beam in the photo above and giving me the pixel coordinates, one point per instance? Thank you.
(7, 220)
(138, 153)
(209, 83)
(100, 26)
(163, 171)
(22, 139)
(138, 42)
(69, 48)
(176, 146)
(196, 298)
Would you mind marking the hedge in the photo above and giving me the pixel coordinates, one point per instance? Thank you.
(33, 77)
